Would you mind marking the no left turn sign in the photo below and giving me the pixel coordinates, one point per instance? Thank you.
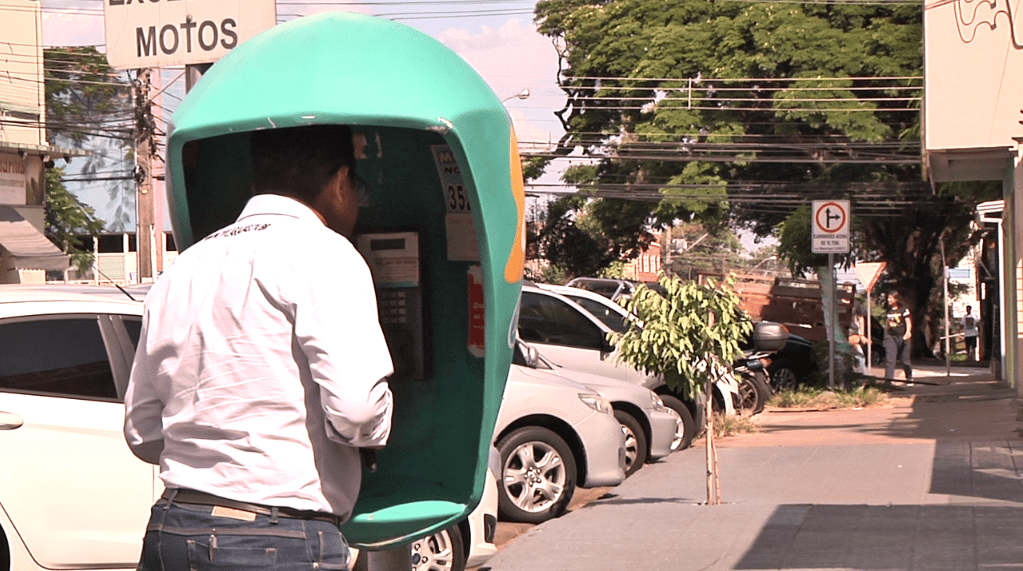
(830, 227)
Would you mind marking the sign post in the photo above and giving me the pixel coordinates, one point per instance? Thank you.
(830, 235)
(868, 272)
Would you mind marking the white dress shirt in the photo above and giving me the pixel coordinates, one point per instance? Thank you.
(261, 366)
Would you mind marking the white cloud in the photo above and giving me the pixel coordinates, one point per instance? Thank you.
(511, 58)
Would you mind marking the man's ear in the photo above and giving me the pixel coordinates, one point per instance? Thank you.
(337, 182)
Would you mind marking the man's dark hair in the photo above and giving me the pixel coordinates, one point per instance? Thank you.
(299, 161)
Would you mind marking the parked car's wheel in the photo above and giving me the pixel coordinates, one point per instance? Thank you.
(784, 376)
(635, 442)
(686, 430)
(442, 551)
(753, 393)
(537, 475)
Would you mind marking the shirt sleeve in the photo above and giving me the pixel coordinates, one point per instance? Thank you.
(143, 413)
(338, 331)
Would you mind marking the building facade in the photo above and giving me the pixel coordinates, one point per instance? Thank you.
(973, 81)
(25, 252)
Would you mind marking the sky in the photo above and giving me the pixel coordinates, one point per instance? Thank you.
(498, 39)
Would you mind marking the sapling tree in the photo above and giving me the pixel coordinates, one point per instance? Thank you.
(691, 335)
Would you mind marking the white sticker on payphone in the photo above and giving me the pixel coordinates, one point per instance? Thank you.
(392, 257)
(463, 245)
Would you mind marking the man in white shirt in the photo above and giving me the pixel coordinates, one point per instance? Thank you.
(969, 326)
(261, 371)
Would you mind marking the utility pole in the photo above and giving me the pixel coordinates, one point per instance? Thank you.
(145, 148)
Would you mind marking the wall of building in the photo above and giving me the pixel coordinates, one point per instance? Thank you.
(973, 54)
(22, 100)
(972, 62)
(646, 266)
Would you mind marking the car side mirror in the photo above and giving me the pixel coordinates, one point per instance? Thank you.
(606, 346)
(532, 356)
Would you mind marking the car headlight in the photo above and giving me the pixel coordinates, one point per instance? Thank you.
(656, 401)
(596, 402)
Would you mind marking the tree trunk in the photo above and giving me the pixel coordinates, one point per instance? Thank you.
(713, 487)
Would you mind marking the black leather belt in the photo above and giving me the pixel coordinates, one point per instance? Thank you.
(194, 497)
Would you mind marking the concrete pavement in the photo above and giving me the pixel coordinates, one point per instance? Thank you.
(932, 483)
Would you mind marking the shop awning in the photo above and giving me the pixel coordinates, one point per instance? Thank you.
(25, 247)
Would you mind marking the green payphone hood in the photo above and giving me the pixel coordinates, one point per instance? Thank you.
(383, 77)
(343, 67)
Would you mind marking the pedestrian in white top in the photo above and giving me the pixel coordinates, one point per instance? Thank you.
(261, 371)
(969, 326)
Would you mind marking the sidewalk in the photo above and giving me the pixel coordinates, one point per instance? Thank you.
(932, 483)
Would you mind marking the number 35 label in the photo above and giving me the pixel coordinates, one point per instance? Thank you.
(457, 198)
(463, 245)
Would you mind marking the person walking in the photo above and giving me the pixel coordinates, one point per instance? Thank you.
(968, 323)
(898, 332)
(857, 336)
(261, 372)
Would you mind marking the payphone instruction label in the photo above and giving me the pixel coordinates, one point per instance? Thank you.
(393, 258)
(463, 245)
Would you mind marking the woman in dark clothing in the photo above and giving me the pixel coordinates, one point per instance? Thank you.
(898, 330)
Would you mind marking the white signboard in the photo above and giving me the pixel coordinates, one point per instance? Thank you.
(830, 227)
(463, 246)
(13, 175)
(157, 33)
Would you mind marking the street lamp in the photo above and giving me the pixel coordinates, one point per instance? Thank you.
(524, 94)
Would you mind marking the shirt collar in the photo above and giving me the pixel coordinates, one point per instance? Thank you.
(275, 204)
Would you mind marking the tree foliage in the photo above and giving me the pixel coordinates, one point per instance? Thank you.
(67, 219)
(702, 249)
(744, 111)
(581, 237)
(690, 334)
(88, 105)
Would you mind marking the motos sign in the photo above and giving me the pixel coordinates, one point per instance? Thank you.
(156, 33)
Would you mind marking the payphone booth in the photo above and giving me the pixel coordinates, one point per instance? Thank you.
(440, 223)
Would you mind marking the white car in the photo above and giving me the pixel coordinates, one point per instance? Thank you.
(748, 393)
(467, 544)
(552, 434)
(65, 358)
(78, 497)
(650, 427)
(572, 337)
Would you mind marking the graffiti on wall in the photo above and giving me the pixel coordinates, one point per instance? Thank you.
(975, 16)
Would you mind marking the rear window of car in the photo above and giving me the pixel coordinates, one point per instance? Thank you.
(605, 314)
(607, 290)
(56, 357)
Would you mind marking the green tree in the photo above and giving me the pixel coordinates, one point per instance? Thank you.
(573, 234)
(704, 250)
(690, 335)
(744, 111)
(67, 219)
(88, 105)
(910, 240)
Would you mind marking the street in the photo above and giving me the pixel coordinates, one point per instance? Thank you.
(931, 483)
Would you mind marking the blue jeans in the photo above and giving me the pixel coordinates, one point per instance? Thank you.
(189, 538)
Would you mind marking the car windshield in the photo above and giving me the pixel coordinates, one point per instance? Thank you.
(614, 320)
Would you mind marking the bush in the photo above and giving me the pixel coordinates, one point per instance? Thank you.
(810, 397)
(732, 424)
